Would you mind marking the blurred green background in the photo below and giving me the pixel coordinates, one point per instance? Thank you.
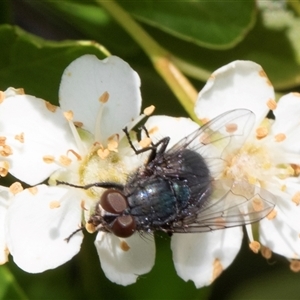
(40, 38)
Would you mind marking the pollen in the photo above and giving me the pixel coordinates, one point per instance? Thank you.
(54, 204)
(33, 190)
(272, 215)
(5, 151)
(217, 269)
(20, 137)
(296, 94)
(69, 115)
(295, 265)
(50, 106)
(149, 110)
(296, 198)
(90, 228)
(272, 105)
(65, 160)
(144, 143)
(4, 166)
(257, 204)
(261, 132)
(104, 97)
(266, 252)
(231, 127)
(2, 96)
(280, 137)
(255, 246)
(48, 159)
(124, 246)
(16, 188)
(2, 140)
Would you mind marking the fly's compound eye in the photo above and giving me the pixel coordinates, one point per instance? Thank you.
(113, 201)
(124, 226)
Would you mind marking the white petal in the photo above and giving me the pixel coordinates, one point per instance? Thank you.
(240, 84)
(123, 260)
(201, 257)
(279, 236)
(38, 222)
(4, 203)
(45, 133)
(83, 83)
(287, 121)
(175, 128)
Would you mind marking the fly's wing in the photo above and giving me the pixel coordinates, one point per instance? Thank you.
(231, 204)
(217, 139)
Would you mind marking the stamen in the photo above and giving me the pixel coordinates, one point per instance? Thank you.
(65, 160)
(90, 228)
(20, 137)
(54, 204)
(50, 106)
(257, 204)
(231, 127)
(254, 246)
(295, 265)
(103, 152)
(266, 252)
(217, 269)
(78, 124)
(296, 198)
(16, 188)
(2, 140)
(149, 110)
(124, 246)
(272, 105)
(261, 132)
(33, 190)
(272, 214)
(104, 97)
(69, 115)
(48, 159)
(146, 142)
(4, 167)
(2, 96)
(75, 154)
(6, 151)
(280, 137)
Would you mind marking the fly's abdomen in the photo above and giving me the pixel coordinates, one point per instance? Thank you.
(157, 201)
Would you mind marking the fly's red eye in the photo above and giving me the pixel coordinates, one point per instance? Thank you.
(124, 226)
(113, 201)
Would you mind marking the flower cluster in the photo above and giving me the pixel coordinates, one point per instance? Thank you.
(82, 142)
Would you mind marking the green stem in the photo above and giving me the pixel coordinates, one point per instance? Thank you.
(161, 59)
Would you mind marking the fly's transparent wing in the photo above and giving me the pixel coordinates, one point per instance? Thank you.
(218, 138)
(231, 204)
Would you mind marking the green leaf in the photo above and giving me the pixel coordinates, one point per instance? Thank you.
(37, 65)
(210, 24)
(9, 286)
(274, 49)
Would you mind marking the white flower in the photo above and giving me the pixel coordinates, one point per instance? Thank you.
(270, 159)
(40, 140)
